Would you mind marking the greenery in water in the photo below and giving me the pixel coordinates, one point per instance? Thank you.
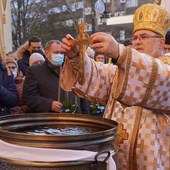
(97, 108)
(68, 106)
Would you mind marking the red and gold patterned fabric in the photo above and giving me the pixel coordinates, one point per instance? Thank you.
(137, 94)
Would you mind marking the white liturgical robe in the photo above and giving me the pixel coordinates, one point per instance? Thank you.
(137, 95)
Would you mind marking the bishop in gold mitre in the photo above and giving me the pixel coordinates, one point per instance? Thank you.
(135, 89)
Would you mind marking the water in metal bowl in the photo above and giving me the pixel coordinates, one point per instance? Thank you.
(56, 130)
(60, 131)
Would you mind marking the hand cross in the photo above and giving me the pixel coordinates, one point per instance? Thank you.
(82, 41)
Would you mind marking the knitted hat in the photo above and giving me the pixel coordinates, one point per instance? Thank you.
(11, 60)
(152, 17)
(167, 38)
(35, 57)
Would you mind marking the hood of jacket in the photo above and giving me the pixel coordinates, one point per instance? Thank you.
(20, 51)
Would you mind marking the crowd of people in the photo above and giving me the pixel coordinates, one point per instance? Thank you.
(34, 70)
(133, 89)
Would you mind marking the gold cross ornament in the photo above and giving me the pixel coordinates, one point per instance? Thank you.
(82, 40)
(122, 135)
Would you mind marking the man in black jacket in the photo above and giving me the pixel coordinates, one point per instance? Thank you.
(34, 44)
(42, 92)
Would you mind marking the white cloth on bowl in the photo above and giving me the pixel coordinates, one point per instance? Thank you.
(32, 154)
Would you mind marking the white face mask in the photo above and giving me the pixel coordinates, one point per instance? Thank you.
(57, 59)
(14, 73)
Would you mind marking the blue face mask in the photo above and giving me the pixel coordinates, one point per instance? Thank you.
(57, 59)
(15, 74)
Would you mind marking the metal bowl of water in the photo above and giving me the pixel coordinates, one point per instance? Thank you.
(60, 131)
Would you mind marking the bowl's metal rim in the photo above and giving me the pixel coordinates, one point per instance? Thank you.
(42, 164)
(63, 136)
(16, 138)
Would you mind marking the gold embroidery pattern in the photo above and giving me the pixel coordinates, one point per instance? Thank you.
(91, 98)
(122, 58)
(129, 58)
(122, 135)
(133, 141)
(152, 80)
(91, 76)
(150, 133)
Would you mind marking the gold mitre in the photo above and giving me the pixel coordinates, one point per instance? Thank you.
(152, 17)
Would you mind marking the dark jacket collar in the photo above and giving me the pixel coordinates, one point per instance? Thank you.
(2, 66)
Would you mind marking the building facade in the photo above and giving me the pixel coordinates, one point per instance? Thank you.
(61, 16)
(116, 18)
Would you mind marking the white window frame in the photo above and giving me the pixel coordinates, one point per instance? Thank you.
(107, 1)
(69, 23)
(89, 27)
(80, 5)
(122, 34)
(122, 1)
(80, 20)
(64, 8)
(73, 7)
(87, 11)
(131, 3)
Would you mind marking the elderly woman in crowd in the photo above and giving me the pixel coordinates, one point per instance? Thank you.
(8, 93)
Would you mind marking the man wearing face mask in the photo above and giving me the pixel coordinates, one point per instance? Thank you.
(34, 45)
(42, 92)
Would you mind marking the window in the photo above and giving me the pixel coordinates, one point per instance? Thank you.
(87, 11)
(30, 2)
(79, 5)
(37, 1)
(117, 14)
(107, 1)
(45, 3)
(122, 13)
(99, 20)
(122, 34)
(73, 7)
(80, 20)
(54, 10)
(64, 8)
(69, 23)
(132, 3)
(123, 6)
(122, 1)
(89, 27)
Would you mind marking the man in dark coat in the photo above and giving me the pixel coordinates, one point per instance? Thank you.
(34, 44)
(42, 92)
(8, 93)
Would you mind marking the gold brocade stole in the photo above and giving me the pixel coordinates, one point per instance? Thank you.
(133, 140)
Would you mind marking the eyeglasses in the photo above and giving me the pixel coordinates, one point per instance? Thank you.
(144, 37)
